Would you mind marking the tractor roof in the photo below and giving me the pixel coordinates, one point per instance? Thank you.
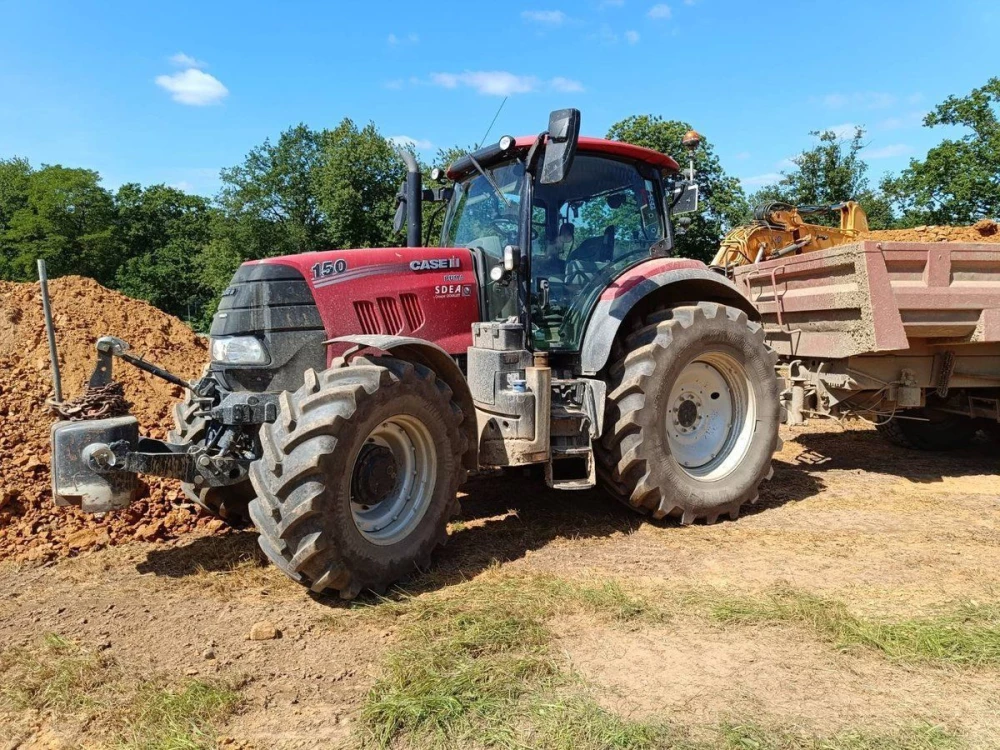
(492, 154)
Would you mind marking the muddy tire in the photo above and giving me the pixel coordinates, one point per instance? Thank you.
(940, 431)
(359, 475)
(229, 503)
(692, 414)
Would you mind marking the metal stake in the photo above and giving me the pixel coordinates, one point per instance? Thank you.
(43, 278)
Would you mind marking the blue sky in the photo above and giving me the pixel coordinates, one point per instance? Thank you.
(171, 92)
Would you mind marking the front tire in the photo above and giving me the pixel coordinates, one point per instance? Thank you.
(692, 414)
(359, 475)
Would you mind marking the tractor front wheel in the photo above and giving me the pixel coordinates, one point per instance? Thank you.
(359, 475)
(692, 414)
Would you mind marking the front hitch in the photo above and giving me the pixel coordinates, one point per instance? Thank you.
(97, 452)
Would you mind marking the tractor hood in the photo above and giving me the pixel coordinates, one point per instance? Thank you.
(290, 305)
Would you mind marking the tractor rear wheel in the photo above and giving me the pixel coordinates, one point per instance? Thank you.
(692, 414)
(929, 430)
(359, 475)
(230, 502)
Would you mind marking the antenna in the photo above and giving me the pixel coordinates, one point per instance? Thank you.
(492, 123)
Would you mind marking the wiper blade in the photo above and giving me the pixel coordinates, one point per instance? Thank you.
(489, 179)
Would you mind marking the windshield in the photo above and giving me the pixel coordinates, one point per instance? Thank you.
(479, 216)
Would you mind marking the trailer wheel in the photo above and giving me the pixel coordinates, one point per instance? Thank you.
(692, 414)
(230, 502)
(359, 475)
(929, 430)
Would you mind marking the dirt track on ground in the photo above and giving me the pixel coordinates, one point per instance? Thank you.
(889, 532)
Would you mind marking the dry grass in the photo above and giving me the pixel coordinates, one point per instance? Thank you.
(56, 677)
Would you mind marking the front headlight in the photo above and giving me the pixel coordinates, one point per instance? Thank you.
(239, 350)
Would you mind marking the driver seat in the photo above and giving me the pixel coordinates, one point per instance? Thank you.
(593, 254)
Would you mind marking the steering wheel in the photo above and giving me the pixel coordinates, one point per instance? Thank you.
(506, 227)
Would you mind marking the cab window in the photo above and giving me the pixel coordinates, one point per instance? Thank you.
(600, 220)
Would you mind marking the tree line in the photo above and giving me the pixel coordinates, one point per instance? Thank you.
(336, 188)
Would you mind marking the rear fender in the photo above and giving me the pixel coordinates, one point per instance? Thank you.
(663, 289)
(429, 355)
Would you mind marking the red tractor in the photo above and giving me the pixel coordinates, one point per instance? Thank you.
(351, 392)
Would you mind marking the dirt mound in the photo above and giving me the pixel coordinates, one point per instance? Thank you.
(31, 527)
(985, 230)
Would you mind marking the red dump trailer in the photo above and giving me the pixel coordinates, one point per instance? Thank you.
(904, 334)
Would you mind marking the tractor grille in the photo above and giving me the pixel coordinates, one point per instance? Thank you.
(390, 315)
(367, 317)
(274, 303)
(412, 310)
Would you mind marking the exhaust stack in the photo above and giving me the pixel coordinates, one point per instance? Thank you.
(412, 196)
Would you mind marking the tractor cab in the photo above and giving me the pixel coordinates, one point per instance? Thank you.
(552, 246)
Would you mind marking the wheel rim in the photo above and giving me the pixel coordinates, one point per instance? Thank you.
(393, 480)
(711, 416)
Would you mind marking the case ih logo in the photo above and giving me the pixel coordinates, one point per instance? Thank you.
(435, 264)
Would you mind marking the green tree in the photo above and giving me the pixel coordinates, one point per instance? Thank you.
(270, 200)
(357, 183)
(958, 182)
(59, 214)
(831, 172)
(723, 201)
(162, 232)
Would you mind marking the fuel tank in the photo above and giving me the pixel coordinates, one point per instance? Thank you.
(294, 303)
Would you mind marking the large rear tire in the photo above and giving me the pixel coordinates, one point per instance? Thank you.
(359, 475)
(692, 414)
(230, 502)
(929, 431)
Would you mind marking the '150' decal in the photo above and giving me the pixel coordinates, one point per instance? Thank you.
(329, 268)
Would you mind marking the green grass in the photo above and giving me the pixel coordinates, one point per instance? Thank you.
(473, 664)
(473, 660)
(751, 736)
(578, 723)
(161, 717)
(968, 637)
(58, 677)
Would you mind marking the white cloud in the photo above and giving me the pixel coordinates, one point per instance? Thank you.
(194, 87)
(660, 12)
(887, 152)
(908, 120)
(186, 61)
(632, 37)
(566, 85)
(860, 99)
(489, 82)
(394, 84)
(761, 179)
(394, 40)
(407, 142)
(547, 17)
(843, 131)
(184, 186)
(742, 155)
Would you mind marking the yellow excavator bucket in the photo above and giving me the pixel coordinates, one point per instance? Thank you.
(778, 229)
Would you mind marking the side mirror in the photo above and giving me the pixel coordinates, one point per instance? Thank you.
(564, 133)
(685, 197)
